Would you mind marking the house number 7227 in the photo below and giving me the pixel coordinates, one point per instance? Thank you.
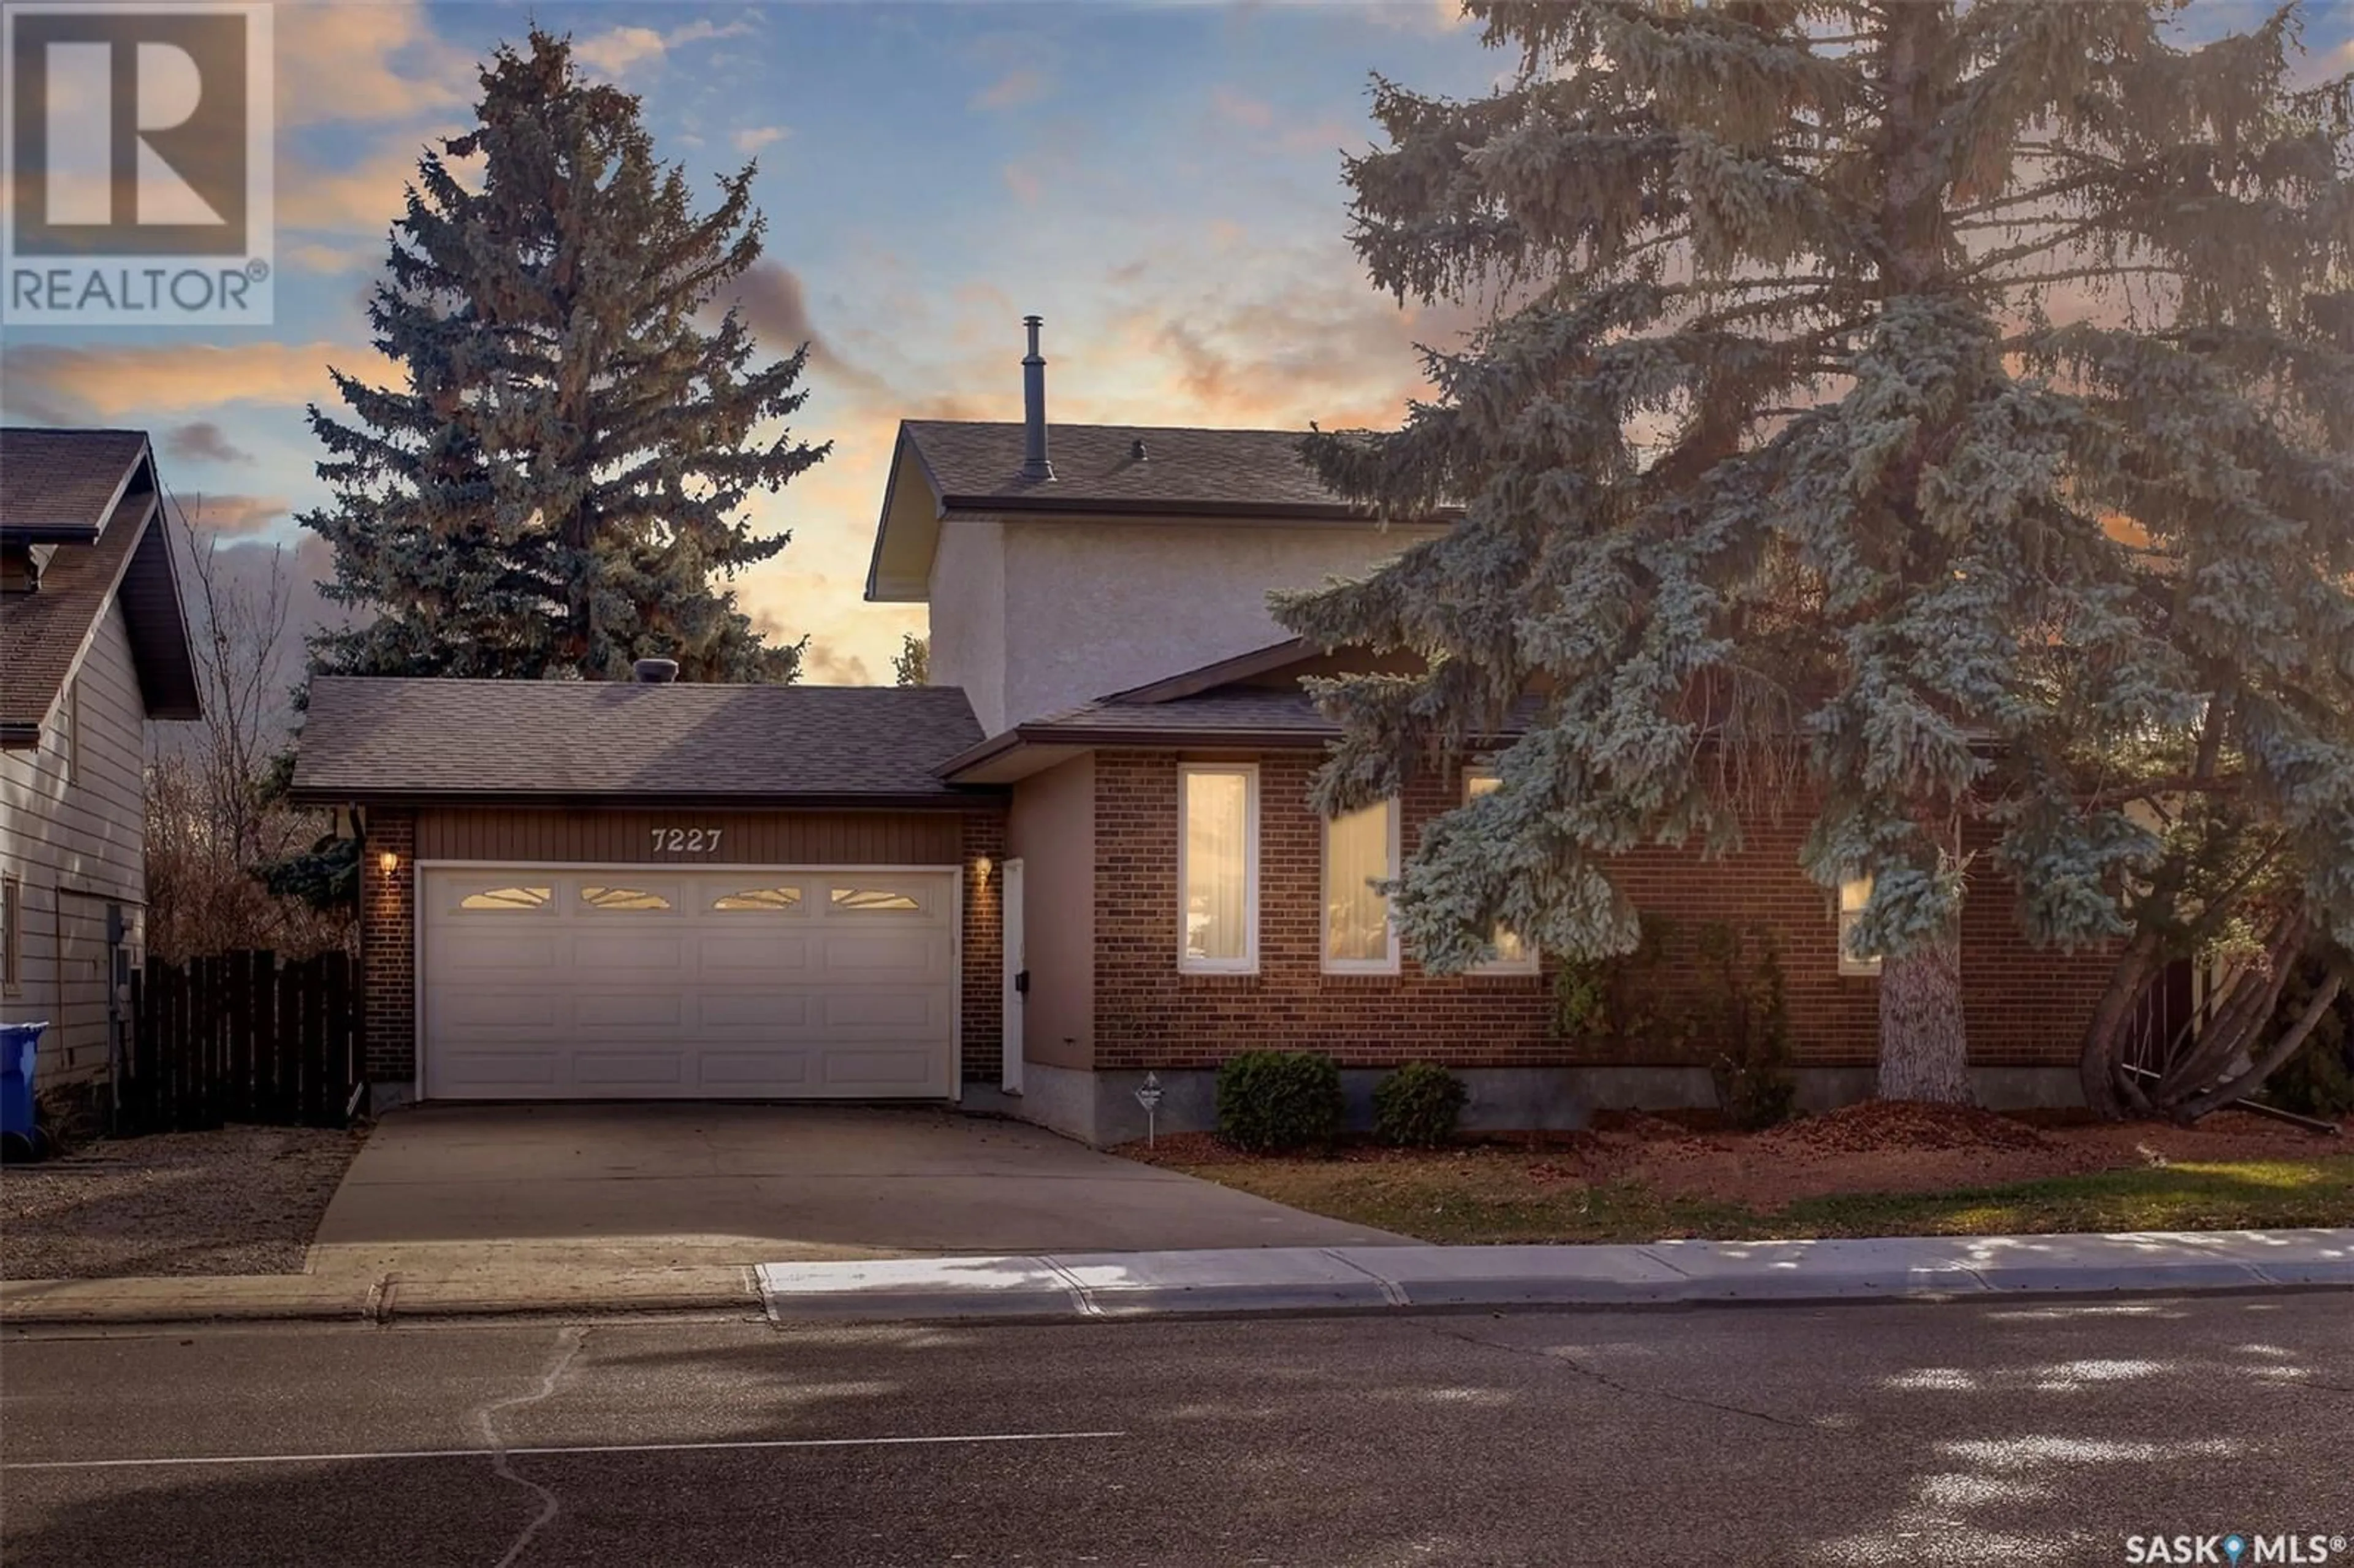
(687, 840)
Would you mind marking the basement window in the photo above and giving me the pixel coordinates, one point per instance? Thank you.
(771, 899)
(507, 898)
(1854, 892)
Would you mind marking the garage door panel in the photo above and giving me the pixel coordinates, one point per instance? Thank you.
(473, 952)
(652, 1067)
(605, 1012)
(508, 1013)
(490, 1074)
(871, 956)
(770, 956)
(614, 982)
(898, 1010)
(755, 1072)
(909, 1069)
(787, 1012)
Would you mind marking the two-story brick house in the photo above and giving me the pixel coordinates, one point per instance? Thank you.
(1083, 856)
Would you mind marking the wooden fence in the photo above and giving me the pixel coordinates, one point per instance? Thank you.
(241, 1037)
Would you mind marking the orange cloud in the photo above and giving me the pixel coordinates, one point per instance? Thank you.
(368, 63)
(112, 385)
(616, 50)
(1246, 111)
(1023, 84)
(230, 516)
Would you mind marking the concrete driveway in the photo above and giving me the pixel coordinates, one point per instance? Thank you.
(657, 1185)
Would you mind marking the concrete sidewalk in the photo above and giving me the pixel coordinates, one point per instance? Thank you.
(1292, 1279)
(1227, 1280)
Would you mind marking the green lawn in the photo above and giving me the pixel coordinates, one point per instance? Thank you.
(1482, 1196)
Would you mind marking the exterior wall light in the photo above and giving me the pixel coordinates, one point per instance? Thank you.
(389, 860)
(980, 870)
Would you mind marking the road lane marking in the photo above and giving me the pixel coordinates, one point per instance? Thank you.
(743, 1445)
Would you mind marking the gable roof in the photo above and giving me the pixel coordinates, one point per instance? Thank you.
(570, 742)
(91, 498)
(1239, 702)
(1185, 472)
(60, 486)
(941, 467)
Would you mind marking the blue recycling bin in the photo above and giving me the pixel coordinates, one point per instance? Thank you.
(18, 1042)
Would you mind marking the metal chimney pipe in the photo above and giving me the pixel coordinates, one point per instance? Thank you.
(1033, 408)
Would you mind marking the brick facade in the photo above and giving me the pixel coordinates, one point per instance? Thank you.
(983, 1004)
(2026, 1007)
(388, 946)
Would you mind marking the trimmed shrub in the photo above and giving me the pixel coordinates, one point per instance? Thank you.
(1417, 1105)
(1743, 1010)
(1270, 1101)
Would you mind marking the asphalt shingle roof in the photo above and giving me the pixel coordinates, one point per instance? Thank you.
(979, 466)
(57, 482)
(63, 479)
(384, 738)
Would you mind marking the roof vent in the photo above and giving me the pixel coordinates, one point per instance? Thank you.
(1033, 408)
(1135, 451)
(656, 672)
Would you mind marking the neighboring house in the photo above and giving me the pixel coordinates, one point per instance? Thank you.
(1083, 856)
(93, 645)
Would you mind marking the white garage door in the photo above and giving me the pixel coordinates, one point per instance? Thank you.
(624, 982)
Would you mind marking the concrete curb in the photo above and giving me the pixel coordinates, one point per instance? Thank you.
(372, 1298)
(1298, 1279)
(1220, 1282)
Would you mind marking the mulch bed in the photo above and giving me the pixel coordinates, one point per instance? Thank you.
(1871, 1148)
(237, 1200)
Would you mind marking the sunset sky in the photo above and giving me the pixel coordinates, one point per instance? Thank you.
(1160, 181)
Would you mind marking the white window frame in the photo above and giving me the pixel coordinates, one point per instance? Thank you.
(69, 717)
(1861, 966)
(1530, 962)
(12, 934)
(1248, 963)
(1388, 963)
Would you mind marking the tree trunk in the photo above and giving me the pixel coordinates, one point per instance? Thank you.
(2265, 1065)
(1924, 1046)
(2101, 1060)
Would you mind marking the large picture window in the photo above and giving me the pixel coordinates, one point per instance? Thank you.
(1360, 848)
(1217, 868)
(1514, 956)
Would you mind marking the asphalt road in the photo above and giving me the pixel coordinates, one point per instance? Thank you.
(1924, 1434)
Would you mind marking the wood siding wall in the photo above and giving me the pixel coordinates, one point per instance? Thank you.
(746, 838)
(75, 847)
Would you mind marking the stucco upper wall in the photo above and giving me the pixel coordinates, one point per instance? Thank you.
(1092, 608)
(967, 618)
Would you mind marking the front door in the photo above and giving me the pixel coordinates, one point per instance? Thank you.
(1017, 979)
